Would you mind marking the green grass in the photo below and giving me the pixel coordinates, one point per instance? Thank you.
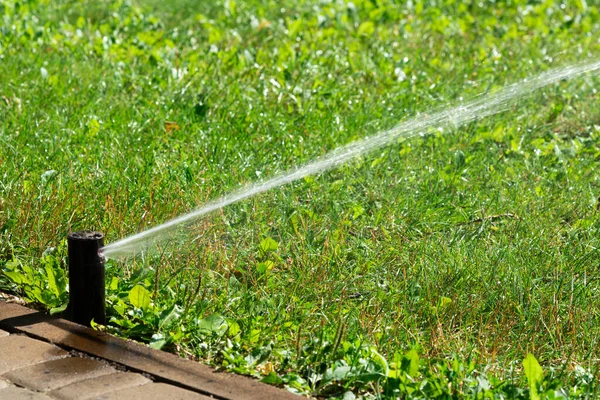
(428, 269)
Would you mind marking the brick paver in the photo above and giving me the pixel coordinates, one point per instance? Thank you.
(154, 391)
(39, 366)
(57, 373)
(20, 351)
(92, 388)
(16, 393)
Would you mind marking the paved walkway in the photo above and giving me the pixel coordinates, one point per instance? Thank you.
(49, 358)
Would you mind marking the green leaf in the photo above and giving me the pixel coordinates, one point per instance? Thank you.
(120, 307)
(410, 363)
(265, 267)
(254, 335)
(52, 281)
(233, 328)
(535, 375)
(268, 244)
(114, 284)
(259, 355)
(357, 211)
(59, 309)
(93, 127)
(139, 297)
(17, 277)
(444, 302)
(12, 264)
(380, 361)
(214, 323)
(158, 341)
(34, 293)
(377, 161)
(339, 373)
(169, 315)
(366, 29)
(272, 379)
(459, 159)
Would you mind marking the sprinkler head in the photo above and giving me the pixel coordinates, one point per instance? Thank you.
(86, 278)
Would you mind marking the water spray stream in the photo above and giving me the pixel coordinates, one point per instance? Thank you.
(480, 107)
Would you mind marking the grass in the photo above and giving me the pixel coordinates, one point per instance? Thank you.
(429, 269)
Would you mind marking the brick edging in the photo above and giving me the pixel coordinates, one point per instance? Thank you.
(164, 366)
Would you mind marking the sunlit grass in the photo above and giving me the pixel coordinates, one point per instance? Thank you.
(477, 245)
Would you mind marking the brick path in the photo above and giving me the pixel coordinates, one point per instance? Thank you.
(33, 369)
(50, 358)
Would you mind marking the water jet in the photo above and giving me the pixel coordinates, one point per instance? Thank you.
(452, 116)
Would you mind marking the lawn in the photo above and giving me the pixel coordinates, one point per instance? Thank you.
(461, 263)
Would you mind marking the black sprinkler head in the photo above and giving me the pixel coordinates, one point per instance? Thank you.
(86, 278)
